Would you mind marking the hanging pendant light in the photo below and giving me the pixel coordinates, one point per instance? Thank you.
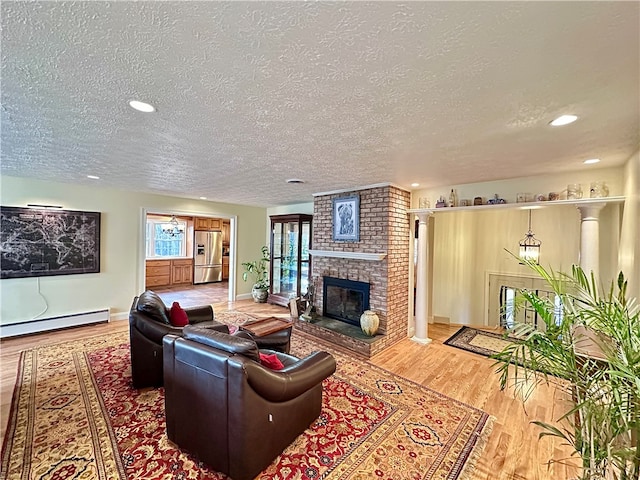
(530, 246)
(173, 228)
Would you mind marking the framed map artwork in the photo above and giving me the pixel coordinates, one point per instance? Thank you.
(36, 243)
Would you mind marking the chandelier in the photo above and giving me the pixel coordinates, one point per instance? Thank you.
(173, 228)
(530, 246)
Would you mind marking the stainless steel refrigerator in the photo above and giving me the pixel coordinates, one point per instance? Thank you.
(207, 265)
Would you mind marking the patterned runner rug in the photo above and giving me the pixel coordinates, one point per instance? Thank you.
(75, 415)
(478, 341)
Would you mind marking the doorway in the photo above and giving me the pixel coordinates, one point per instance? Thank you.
(177, 281)
(502, 307)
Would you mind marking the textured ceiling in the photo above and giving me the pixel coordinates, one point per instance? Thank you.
(340, 94)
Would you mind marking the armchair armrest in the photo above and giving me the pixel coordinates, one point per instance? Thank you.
(292, 381)
(199, 314)
(154, 330)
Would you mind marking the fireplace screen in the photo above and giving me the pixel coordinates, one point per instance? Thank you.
(344, 299)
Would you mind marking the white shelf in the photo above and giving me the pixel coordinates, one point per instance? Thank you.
(376, 257)
(524, 206)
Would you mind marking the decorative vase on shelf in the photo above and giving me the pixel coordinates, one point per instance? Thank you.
(369, 322)
(453, 199)
(598, 190)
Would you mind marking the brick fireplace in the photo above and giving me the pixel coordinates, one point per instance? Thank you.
(344, 299)
(380, 258)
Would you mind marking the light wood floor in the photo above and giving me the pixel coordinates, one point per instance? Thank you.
(513, 450)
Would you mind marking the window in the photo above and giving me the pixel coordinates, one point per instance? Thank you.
(509, 316)
(165, 239)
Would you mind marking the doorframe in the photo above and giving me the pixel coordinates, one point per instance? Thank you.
(487, 289)
(142, 254)
(534, 281)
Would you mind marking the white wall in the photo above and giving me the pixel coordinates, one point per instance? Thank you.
(121, 274)
(629, 253)
(306, 208)
(468, 245)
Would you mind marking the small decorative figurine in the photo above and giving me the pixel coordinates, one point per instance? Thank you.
(308, 314)
(496, 200)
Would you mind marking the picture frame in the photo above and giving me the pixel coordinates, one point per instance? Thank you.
(42, 242)
(346, 219)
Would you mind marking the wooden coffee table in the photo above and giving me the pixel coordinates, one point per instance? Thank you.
(266, 326)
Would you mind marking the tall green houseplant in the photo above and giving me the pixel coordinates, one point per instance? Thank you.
(592, 350)
(257, 271)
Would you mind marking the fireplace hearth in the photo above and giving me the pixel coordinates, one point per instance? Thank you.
(344, 300)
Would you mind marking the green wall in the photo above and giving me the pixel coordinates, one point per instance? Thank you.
(121, 274)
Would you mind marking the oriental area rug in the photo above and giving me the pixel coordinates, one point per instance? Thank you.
(478, 341)
(75, 415)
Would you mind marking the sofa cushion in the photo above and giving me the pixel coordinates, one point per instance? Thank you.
(271, 361)
(151, 304)
(177, 316)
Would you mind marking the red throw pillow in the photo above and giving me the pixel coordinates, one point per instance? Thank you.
(178, 316)
(271, 361)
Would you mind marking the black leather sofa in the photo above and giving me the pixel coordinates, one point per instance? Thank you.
(149, 323)
(227, 409)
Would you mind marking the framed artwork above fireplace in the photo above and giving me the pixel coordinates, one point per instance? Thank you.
(346, 219)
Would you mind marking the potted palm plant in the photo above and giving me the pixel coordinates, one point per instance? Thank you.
(257, 270)
(590, 348)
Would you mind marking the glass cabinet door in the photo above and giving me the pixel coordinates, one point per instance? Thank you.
(305, 260)
(285, 258)
(290, 261)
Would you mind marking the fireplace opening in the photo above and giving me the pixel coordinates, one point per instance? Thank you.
(344, 299)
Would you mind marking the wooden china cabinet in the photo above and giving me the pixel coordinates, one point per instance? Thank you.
(290, 265)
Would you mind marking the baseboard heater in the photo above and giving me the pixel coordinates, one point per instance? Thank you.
(54, 323)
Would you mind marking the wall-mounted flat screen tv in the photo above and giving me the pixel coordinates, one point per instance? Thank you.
(44, 242)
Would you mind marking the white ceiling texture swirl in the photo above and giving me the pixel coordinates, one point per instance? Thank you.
(338, 94)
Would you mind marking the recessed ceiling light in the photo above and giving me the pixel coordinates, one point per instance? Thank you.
(415, 185)
(142, 106)
(591, 161)
(294, 180)
(563, 120)
(203, 198)
(93, 177)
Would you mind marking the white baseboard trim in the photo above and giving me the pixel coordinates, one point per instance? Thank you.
(423, 341)
(119, 316)
(441, 320)
(54, 323)
(244, 296)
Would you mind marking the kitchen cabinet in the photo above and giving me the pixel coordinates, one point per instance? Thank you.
(225, 268)
(157, 273)
(164, 273)
(181, 272)
(203, 223)
(226, 233)
(290, 265)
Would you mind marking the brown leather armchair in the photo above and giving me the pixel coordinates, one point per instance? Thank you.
(148, 324)
(227, 409)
